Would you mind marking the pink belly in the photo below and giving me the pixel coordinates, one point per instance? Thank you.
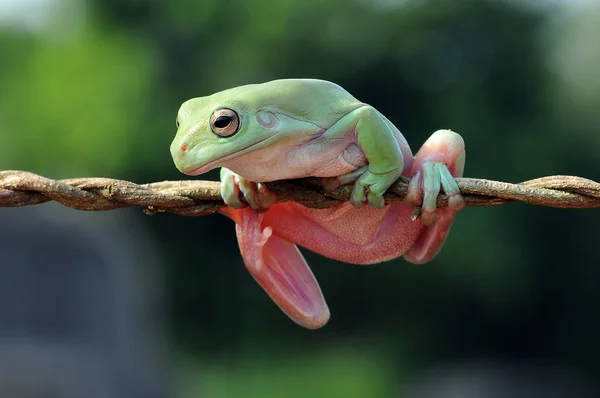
(355, 235)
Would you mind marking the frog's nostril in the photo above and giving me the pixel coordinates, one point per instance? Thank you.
(183, 148)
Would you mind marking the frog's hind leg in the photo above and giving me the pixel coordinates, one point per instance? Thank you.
(441, 158)
(279, 267)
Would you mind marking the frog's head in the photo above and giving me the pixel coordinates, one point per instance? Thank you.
(223, 126)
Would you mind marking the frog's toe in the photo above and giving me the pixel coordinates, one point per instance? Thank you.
(370, 187)
(230, 191)
(431, 189)
(376, 200)
(332, 183)
(359, 194)
(369, 194)
(433, 178)
(375, 194)
(256, 194)
(235, 187)
(456, 201)
(414, 195)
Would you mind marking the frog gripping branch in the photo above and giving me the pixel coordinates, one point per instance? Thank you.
(298, 128)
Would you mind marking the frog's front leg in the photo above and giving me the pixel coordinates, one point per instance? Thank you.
(377, 142)
(439, 160)
(234, 187)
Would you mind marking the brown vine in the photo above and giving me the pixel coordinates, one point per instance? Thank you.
(196, 197)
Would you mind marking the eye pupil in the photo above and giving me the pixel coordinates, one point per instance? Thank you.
(222, 122)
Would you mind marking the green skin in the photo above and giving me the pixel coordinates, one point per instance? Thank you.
(302, 127)
(304, 112)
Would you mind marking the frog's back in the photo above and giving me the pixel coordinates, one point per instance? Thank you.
(320, 101)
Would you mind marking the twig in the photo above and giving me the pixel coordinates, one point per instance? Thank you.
(196, 198)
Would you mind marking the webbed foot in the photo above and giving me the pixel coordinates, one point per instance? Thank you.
(425, 186)
(369, 187)
(439, 160)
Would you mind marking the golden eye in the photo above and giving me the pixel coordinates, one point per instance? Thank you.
(224, 122)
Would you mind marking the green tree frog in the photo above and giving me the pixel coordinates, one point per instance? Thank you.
(295, 128)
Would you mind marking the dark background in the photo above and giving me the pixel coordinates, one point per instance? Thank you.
(92, 89)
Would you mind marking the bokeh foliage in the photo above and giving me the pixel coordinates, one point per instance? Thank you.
(93, 89)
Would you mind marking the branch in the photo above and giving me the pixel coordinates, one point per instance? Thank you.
(197, 198)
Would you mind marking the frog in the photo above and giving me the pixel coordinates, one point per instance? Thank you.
(295, 128)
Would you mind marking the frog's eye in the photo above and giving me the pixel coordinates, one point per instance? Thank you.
(224, 122)
(177, 122)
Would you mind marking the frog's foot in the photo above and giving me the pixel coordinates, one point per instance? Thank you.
(424, 188)
(279, 267)
(332, 183)
(369, 187)
(255, 194)
(439, 160)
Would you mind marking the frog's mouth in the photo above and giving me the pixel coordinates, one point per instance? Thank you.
(279, 267)
(218, 162)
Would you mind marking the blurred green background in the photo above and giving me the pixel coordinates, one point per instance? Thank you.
(91, 88)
